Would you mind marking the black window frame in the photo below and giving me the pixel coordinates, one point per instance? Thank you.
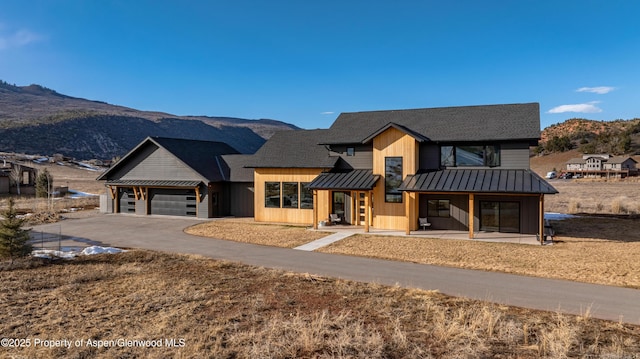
(268, 196)
(450, 156)
(290, 199)
(439, 211)
(393, 180)
(306, 202)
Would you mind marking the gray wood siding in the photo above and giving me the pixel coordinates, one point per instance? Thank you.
(361, 160)
(459, 211)
(242, 195)
(157, 163)
(514, 155)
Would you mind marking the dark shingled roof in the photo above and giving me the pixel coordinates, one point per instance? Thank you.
(349, 181)
(294, 149)
(235, 170)
(478, 180)
(467, 123)
(201, 156)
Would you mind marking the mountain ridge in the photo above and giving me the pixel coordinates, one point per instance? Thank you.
(38, 120)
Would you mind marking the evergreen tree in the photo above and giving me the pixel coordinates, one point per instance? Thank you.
(13, 238)
(44, 184)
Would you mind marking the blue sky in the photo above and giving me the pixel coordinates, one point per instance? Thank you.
(304, 62)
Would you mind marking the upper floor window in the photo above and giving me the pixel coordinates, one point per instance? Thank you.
(351, 151)
(392, 179)
(472, 155)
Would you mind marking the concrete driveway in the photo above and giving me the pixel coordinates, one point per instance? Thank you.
(166, 234)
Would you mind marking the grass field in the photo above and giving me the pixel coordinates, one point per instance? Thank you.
(225, 310)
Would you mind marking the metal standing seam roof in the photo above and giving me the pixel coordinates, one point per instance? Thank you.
(352, 180)
(154, 183)
(478, 181)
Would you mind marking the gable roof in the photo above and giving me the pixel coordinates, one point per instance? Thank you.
(465, 123)
(201, 156)
(294, 149)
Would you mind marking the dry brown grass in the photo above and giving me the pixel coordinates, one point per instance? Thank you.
(595, 196)
(249, 231)
(225, 310)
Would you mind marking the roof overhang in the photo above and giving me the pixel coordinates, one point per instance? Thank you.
(153, 183)
(515, 181)
(355, 180)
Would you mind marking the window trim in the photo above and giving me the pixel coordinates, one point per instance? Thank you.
(391, 195)
(438, 210)
(485, 158)
(266, 198)
(283, 202)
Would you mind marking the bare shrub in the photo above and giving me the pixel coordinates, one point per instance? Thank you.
(574, 206)
(558, 340)
(619, 205)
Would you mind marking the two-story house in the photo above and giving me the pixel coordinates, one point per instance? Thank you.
(603, 165)
(462, 168)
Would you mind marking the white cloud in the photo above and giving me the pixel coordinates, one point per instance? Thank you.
(580, 107)
(327, 113)
(18, 38)
(601, 90)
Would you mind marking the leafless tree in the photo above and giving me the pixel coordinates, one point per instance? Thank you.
(16, 175)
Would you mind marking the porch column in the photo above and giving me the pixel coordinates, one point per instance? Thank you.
(541, 216)
(116, 205)
(315, 209)
(407, 212)
(353, 204)
(471, 214)
(367, 211)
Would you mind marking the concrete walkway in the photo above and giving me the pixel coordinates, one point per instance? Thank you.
(166, 234)
(325, 241)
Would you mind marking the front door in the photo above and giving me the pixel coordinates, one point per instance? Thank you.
(340, 205)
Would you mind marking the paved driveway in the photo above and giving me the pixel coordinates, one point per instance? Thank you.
(166, 234)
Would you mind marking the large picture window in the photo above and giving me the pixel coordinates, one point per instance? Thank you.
(272, 194)
(470, 156)
(392, 179)
(290, 195)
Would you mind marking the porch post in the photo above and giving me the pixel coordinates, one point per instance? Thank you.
(116, 205)
(407, 212)
(471, 214)
(541, 216)
(354, 197)
(315, 209)
(367, 211)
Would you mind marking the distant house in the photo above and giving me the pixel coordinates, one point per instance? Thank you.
(603, 165)
(17, 178)
(463, 168)
(168, 176)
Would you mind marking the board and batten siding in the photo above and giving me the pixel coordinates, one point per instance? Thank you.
(286, 215)
(156, 163)
(242, 195)
(394, 143)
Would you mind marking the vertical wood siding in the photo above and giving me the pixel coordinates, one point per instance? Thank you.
(284, 215)
(393, 143)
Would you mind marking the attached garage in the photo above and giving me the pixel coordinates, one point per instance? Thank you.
(173, 202)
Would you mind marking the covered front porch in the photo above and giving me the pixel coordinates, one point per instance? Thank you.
(478, 202)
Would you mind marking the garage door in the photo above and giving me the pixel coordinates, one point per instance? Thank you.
(173, 202)
(127, 200)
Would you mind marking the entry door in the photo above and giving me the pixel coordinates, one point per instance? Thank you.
(496, 216)
(341, 205)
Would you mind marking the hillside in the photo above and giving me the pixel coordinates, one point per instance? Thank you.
(588, 136)
(37, 120)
